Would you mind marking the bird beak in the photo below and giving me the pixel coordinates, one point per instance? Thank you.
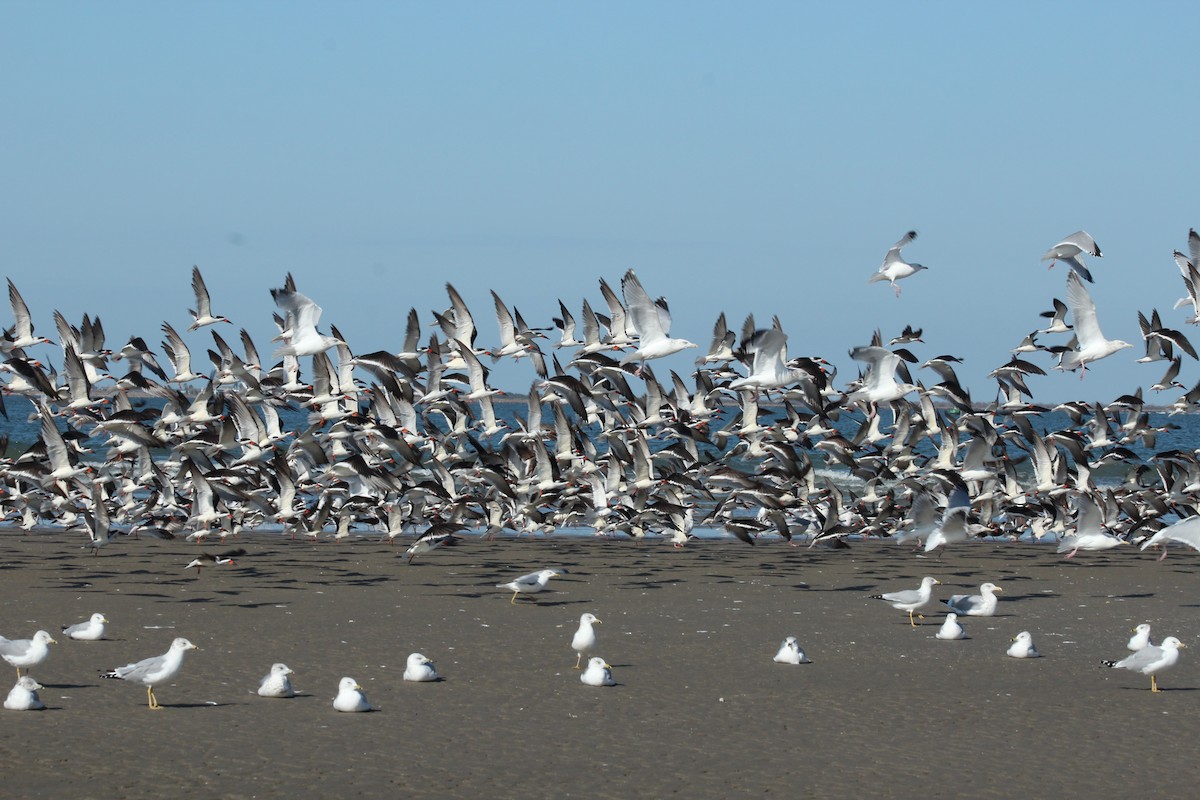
(998, 589)
(52, 641)
(597, 622)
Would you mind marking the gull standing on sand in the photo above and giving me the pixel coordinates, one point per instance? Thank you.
(584, 641)
(24, 696)
(419, 669)
(894, 267)
(1141, 638)
(910, 599)
(1090, 342)
(154, 670)
(350, 697)
(1022, 646)
(951, 629)
(88, 631)
(529, 584)
(276, 683)
(1070, 250)
(598, 673)
(976, 605)
(1151, 660)
(26, 652)
(790, 652)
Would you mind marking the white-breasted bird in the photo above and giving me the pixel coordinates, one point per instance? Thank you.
(598, 673)
(1151, 660)
(88, 631)
(790, 652)
(152, 671)
(419, 669)
(529, 584)
(584, 640)
(910, 599)
(276, 683)
(350, 697)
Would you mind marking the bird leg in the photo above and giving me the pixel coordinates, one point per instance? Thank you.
(1160, 558)
(578, 660)
(514, 599)
(1154, 684)
(154, 706)
(897, 288)
(910, 619)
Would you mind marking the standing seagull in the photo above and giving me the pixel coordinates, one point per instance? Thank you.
(154, 670)
(528, 584)
(584, 641)
(202, 314)
(26, 652)
(894, 267)
(1091, 344)
(910, 599)
(1151, 660)
(1069, 251)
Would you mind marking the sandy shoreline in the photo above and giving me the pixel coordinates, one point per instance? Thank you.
(701, 709)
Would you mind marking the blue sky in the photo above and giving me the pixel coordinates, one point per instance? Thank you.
(747, 158)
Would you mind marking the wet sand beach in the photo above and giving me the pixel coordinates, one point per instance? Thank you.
(700, 709)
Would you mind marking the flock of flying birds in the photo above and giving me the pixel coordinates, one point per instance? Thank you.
(408, 442)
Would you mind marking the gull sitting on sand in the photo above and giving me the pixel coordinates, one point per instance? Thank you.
(529, 584)
(419, 669)
(350, 697)
(154, 670)
(1151, 660)
(89, 631)
(790, 652)
(276, 683)
(910, 599)
(951, 629)
(24, 696)
(1022, 646)
(584, 641)
(598, 673)
(1141, 638)
(976, 605)
(26, 652)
